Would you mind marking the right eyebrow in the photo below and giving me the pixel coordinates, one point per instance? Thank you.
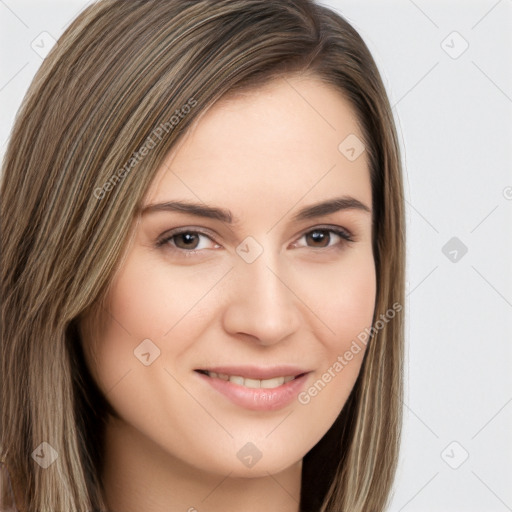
(197, 209)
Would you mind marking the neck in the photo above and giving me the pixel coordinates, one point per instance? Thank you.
(144, 477)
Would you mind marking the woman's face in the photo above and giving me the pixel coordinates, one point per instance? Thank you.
(267, 281)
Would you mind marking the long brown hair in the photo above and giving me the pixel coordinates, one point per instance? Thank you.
(70, 190)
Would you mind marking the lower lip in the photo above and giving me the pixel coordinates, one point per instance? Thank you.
(258, 399)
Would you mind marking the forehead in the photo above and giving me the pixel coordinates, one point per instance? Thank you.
(276, 143)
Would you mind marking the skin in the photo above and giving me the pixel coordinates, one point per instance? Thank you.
(263, 155)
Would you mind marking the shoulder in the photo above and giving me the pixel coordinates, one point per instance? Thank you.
(6, 496)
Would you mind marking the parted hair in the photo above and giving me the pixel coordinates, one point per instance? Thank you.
(121, 70)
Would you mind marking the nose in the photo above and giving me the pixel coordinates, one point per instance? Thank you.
(262, 304)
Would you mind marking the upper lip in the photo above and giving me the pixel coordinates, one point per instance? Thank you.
(257, 372)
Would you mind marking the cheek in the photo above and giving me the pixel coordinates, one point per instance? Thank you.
(342, 296)
(350, 305)
(345, 304)
(149, 300)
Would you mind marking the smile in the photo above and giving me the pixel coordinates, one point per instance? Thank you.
(250, 383)
(257, 389)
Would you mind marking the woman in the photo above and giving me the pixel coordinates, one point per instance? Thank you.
(203, 265)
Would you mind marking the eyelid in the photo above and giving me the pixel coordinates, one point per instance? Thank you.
(168, 235)
(329, 227)
(345, 234)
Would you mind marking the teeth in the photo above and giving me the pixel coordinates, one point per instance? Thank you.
(252, 383)
(236, 380)
(272, 383)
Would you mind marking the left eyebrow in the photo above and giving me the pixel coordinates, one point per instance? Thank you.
(331, 206)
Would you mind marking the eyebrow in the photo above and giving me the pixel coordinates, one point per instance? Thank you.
(331, 206)
(212, 212)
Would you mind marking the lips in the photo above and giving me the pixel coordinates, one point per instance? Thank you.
(256, 372)
(247, 382)
(256, 388)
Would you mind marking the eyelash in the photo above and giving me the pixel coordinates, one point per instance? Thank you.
(344, 234)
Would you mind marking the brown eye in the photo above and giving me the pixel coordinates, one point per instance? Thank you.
(323, 238)
(319, 237)
(186, 240)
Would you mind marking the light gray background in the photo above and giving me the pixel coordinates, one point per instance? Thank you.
(454, 114)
